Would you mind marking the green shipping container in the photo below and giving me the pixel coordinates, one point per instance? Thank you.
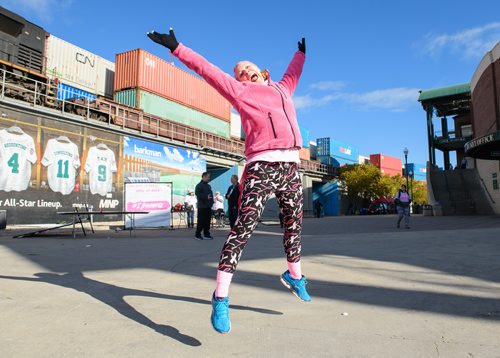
(165, 108)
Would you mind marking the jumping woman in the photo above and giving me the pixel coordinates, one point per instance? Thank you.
(272, 153)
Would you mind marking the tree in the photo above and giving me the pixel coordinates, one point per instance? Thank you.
(419, 192)
(364, 183)
(360, 182)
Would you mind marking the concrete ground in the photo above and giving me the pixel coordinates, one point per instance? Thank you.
(430, 291)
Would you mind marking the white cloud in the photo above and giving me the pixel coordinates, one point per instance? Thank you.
(328, 85)
(470, 43)
(307, 101)
(391, 99)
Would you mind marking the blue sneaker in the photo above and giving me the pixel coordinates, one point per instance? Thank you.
(298, 287)
(220, 314)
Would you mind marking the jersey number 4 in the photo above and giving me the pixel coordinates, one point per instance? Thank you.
(14, 163)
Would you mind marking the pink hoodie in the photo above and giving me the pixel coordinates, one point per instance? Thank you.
(267, 111)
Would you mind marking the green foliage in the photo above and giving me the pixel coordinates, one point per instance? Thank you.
(364, 183)
(360, 180)
(419, 189)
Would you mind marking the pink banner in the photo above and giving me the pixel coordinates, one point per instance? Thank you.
(148, 206)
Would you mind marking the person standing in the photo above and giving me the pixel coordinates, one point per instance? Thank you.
(204, 197)
(403, 200)
(190, 202)
(272, 148)
(219, 209)
(232, 196)
(317, 208)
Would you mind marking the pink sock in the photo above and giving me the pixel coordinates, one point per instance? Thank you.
(295, 270)
(223, 281)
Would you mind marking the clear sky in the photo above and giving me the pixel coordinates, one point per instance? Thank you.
(366, 60)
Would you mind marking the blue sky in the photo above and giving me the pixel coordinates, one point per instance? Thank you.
(366, 60)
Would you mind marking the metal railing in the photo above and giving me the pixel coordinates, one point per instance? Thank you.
(121, 116)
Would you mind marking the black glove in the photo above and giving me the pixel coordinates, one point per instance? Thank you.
(302, 45)
(169, 41)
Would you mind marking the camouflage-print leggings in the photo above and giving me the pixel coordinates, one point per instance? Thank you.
(260, 180)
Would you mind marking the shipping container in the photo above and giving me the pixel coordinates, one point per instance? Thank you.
(165, 108)
(140, 69)
(237, 131)
(79, 68)
(388, 165)
(305, 153)
(335, 161)
(65, 92)
(332, 147)
(363, 159)
(328, 160)
(419, 171)
(304, 133)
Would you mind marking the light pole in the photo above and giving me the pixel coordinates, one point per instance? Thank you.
(405, 151)
(411, 184)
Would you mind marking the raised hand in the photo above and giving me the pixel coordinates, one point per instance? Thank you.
(302, 45)
(169, 41)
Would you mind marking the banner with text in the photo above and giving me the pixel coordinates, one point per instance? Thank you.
(154, 198)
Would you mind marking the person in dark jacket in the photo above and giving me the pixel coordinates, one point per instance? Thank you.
(205, 199)
(232, 196)
(317, 208)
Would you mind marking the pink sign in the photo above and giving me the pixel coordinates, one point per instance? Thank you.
(148, 206)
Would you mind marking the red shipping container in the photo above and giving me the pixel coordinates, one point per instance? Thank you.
(386, 162)
(140, 69)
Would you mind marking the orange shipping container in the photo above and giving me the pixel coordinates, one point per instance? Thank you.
(305, 153)
(140, 69)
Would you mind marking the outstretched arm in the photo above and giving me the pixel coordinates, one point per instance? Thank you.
(169, 41)
(226, 85)
(292, 74)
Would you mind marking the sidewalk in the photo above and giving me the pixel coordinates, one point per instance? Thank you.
(433, 290)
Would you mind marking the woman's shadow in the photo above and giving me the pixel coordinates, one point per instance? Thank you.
(114, 297)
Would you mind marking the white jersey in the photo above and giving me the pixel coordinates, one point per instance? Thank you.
(100, 164)
(17, 154)
(62, 160)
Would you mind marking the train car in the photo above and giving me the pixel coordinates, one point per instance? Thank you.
(22, 43)
(22, 55)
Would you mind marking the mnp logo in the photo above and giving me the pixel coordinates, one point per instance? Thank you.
(108, 204)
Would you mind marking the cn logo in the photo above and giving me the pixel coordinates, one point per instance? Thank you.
(150, 62)
(80, 57)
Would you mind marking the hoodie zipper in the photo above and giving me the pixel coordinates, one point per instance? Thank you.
(286, 114)
(272, 124)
